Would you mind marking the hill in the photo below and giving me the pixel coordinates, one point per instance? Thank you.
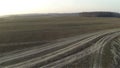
(99, 14)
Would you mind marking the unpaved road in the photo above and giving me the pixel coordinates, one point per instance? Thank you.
(60, 53)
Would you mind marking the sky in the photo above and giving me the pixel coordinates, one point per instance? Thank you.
(9, 7)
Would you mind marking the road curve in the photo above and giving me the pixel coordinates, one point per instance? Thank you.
(60, 53)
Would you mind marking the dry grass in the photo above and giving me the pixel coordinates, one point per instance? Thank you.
(51, 28)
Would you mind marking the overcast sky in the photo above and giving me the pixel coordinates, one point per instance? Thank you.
(8, 7)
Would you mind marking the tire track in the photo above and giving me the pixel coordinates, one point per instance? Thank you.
(38, 49)
(55, 54)
(79, 55)
(60, 52)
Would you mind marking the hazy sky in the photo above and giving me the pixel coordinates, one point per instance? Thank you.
(56, 6)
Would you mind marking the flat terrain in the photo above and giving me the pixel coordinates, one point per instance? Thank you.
(84, 51)
(34, 38)
(15, 29)
(45, 29)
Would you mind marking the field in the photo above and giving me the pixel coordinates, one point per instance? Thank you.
(59, 42)
(46, 29)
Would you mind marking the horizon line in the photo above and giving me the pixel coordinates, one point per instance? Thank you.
(54, 13)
